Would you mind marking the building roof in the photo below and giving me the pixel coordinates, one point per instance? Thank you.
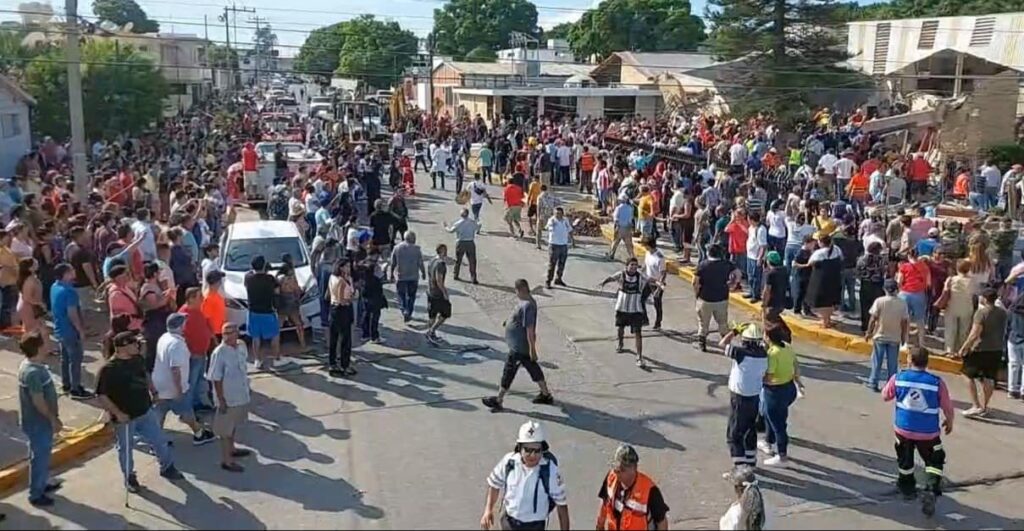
(559, 91)
(654, 63)
(486, 69)
(16, 90)
(565, 69)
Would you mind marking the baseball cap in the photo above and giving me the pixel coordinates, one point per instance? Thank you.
(212, 277)
(176, 321)
(774, 258)
(890, 285)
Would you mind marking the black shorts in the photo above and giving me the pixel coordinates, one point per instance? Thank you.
(635, 321)
(531, 211)
(982, 364)
(918, 187)
(439, 306)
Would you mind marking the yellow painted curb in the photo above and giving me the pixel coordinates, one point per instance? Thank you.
(70, 446)
(802, 329)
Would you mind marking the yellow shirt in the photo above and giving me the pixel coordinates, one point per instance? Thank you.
(781, 365)
(646, 207)
(533, 193)
(8, 267)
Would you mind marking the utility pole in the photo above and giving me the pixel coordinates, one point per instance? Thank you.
(73, 56)
(256, 40)
(430, 73)
(226, 18)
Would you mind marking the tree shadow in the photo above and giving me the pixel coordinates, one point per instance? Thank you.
(612, 427)
(199, 509)
(314, 491)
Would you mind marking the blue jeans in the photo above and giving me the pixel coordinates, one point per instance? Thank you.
(406, 290)
(992, 196)
(740, 261)
(40, 444)
(149, 430)
(978, 201)
(196, 387)
(476, 210)
(849, 289)
(71, 354)
(887, 351)
(754, 271)
(775, 402)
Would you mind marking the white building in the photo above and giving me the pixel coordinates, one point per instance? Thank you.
(181, 58)
(945, 56)
(15, 133)
(557, 51)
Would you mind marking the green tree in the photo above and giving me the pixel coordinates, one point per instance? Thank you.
(482, 55)
(932, 8)
(121, 12)
(319, 53)
(221, 56)
(265, 39)
(790, 48)
(375, 51)
(122, 90)
(462, 25)
(637, 25)
(559, 31)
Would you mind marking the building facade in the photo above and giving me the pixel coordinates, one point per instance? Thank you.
(15, 131)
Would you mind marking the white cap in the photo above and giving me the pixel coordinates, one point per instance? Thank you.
(531, 432)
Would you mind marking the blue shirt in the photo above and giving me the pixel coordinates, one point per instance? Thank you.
(926, 246)
(63, 298)
(108, 263)
(623, 215)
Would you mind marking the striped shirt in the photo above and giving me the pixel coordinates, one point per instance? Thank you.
(628, 299)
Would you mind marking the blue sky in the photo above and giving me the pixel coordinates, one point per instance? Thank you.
(293, 22)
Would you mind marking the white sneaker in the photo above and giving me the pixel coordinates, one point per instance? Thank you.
(764, 447)
(776, 460)
(970, 412)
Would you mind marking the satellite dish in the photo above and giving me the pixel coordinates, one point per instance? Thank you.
(108, 25)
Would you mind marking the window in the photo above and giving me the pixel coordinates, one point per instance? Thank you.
(928, 30)
(10, 123)
(984, 27)
(179, 89)
(143, 48)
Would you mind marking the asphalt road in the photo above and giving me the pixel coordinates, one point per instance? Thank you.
(407, 444)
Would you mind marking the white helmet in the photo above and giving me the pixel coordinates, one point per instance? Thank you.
(531, 432)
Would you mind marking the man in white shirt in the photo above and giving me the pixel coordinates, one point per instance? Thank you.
(675, 210)
(477, 194)
(654, 269)
(440, 159)
(757, 246)
(844, 168)
(229, 376)
(170, 379)
(559, 238)
(519, 477)
(827, 162)
(564, 153)
(737, 157)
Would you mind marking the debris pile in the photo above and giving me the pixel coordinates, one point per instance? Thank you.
(587, 223)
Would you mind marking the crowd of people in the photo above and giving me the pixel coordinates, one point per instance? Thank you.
(810, 221)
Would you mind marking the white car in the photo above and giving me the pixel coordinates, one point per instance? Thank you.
(244, 240)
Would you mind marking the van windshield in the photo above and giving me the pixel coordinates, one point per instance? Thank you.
(240, 253)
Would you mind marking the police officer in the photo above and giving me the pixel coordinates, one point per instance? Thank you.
(629, 499)
(746, 380)
(529, 482)
(919, 396)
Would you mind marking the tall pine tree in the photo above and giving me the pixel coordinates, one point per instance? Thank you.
(789, 48)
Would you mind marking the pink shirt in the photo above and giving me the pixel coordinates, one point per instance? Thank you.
(945, 404)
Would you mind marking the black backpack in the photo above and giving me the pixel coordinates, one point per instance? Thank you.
(545, 478)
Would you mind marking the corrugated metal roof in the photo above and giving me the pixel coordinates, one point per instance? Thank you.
(486, 69)
(653, 63)
(565, 69)
(996, 38)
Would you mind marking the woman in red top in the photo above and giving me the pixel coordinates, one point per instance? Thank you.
(914, 277)
(737, 230)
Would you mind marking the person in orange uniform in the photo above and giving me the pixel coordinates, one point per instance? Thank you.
(629, 499)
(213, 306)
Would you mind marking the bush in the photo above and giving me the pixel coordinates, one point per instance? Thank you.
(1006, 155)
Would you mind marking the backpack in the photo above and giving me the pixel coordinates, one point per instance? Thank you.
(545, 478)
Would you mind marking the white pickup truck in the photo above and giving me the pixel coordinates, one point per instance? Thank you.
(257, 187)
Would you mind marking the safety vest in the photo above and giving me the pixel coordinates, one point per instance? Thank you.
(633, 511)
(795, 157)
(917, 401)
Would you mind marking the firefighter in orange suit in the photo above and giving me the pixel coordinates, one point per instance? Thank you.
(630, 499)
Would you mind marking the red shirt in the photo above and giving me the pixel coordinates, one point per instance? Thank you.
(198, 332)
(513, 196)
(737, 231)
(914, 277)
(919, 170)
(249, 160)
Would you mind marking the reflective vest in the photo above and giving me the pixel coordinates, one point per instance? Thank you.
(917, 401)
(633, 510)
(795, 157)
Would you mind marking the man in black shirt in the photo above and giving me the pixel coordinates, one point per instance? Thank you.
(774, 294)
(123, 390)
(800, 278)
(77, 254)
(711, 283)
(280, 163)
(261, 289)
(382, 222)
